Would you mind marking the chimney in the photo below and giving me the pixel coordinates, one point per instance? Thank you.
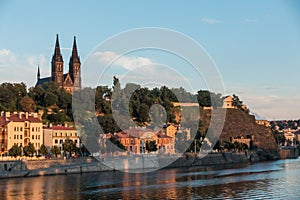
(7, 115)
(20, 115)
(2, 113)
(26, 115)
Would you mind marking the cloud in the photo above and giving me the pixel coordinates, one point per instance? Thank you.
(7, 58)
(127, 62)
(35, 60)
(210, 20)
(18, 67)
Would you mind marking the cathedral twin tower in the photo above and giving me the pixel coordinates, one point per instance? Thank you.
(70, 81)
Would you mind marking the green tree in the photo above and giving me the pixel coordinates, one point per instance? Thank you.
(55, 151)
(44, 151)
(144, 113)
(15, 151)
(29, 150)
(151, 146)
(69, 146)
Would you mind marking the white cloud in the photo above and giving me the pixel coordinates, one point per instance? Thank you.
(7, 58)
(35, 60)
(210, 20)
(19, 68)
(127, 62)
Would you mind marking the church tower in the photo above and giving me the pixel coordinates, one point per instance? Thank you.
(74, 67)
(57, 65)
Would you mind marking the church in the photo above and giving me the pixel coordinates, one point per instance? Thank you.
(70, 81)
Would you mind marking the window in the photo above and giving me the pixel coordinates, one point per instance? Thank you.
(14, 136)
(21, 137)
(38, 136)
(32, 129)
(32, 137)
(15, 128)
(26, 124)
(55, 141)
(71, 134)
(21, 129)
(17, 137)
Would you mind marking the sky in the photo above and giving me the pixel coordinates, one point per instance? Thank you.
(255, 45)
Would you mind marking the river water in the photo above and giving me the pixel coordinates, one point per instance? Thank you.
(267, 180)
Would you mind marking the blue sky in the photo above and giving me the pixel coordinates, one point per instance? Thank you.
(255, 44)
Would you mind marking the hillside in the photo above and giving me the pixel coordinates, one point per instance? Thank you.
(239, 123)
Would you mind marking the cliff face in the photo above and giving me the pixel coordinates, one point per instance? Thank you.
(239, 123)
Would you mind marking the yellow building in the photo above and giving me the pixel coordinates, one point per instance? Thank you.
(228, 102)
(22, 128)
(170, 130)
(57, 135)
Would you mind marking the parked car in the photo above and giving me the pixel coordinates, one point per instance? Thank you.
(48, 156)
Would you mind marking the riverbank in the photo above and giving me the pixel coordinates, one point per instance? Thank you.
(27, 168)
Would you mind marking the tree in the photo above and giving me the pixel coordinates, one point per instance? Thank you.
(27, 104)
(151, 146)
(55, 150)
(29, 150)
(69, 146)
(44, 151)
(15, 151)
(144, 113)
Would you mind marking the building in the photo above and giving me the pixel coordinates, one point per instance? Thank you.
(263, 123)
(70, 81)
(228, 102)
(135, 139)
(58, 135)
(243, 140)
(170, 130)
(20, 129)
(130, 143)
(3, 135)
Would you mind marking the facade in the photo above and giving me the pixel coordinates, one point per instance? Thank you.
(263, 123)
(228, 102)
(57, 135)
(243, 140)
(170, 130)
(130, 143)
(134, 140)
(70, 81)
(3, 136)
(20, 129)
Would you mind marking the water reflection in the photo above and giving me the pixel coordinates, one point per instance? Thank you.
(262, 180)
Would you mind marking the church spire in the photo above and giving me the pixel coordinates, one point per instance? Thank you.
(57, 55)
(75, 56)
(38, 73)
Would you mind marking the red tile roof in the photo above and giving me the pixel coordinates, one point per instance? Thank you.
(16, 118)
(62, 128)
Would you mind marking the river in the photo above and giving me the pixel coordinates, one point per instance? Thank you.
(266, 180)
